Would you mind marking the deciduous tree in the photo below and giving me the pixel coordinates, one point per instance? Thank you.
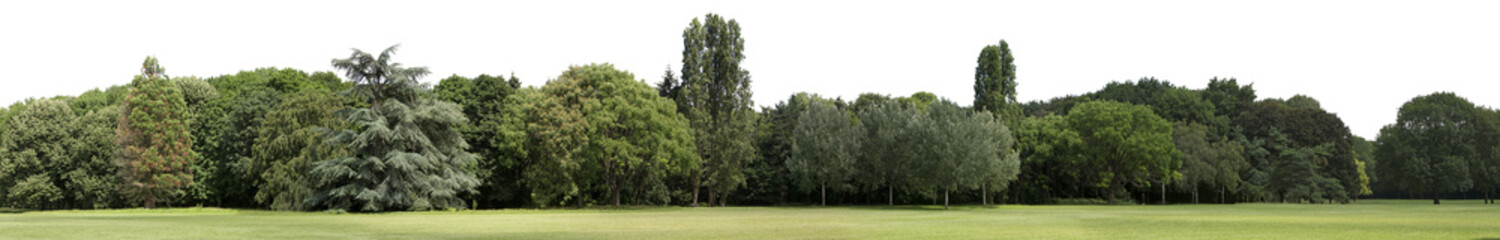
(825, 146)
(715, 98)
(1128, 144)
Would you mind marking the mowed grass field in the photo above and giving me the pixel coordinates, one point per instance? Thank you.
(1368, 219)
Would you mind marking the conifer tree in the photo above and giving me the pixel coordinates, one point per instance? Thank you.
(156, 154)
(406, 152)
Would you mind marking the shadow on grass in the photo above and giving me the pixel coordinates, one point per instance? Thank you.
(11, 210)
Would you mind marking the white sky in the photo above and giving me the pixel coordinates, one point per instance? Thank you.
(1361, 59)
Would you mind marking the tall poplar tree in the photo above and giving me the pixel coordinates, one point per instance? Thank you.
(715, 97)
(156, 154)
(995, 84)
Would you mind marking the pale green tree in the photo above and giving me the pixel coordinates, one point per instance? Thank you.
(825, 146)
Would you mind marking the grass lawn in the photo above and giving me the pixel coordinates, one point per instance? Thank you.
(1369, 219)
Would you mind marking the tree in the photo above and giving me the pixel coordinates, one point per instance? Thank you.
(92, 181)
(226, 128)
(768, 179)
(1485, 168)
(484, 100)
(405, 150)
(888, 154)
(156, 155)
(715, 98)
(1431, 145)
(1306, 130)
(1128, 144)
(1228, 96)
(622, 133)
(995, 84)
(963, 149)
(1051, 158)
(285, 148)
(37, 156)
(1296, 172)
(1364, 155)
(1206, 163)
(1303, 101)
(825, 145)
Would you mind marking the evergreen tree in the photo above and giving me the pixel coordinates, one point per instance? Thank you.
(156, 155)
(287, 145)
(406, 152)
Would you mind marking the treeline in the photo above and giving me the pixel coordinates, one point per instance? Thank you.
(376, 139)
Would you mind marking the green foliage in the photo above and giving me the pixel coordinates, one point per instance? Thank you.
(226, 128)
(485, 100)
(964, 149)
(1484, 168)
(195, 91)
(1432, 144)
(95, 99)
(1303, 101)
(1171, 102)
(37, 155)
(156, 158)
(1270, 127)
(768, 179)
(1128, 144)
(1228, 96)
(1052, 159)
(715, 97)
(290, 140)
(1296, 175)
(825, 146)
(1207, 162)
(995, 84)
(406, 152)
(888, 155)
(600, 128)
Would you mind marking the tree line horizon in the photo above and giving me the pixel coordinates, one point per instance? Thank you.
(377, 139)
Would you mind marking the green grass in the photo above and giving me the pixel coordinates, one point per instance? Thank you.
(1370, 219)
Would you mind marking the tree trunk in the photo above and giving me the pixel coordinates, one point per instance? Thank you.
(1434, 198)
(890, 196)
(150, 201)
(1163, 192)
(945, 198)
(614, 189)
(712, 196)
(1195, 195)
(1113, 188)
(984, 195)
(696, 186)
(823, 198)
